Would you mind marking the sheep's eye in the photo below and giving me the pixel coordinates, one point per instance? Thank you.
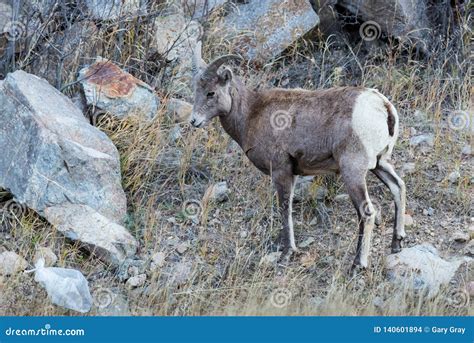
(210, 95)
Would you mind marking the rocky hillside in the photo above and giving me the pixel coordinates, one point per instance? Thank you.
(100, 172)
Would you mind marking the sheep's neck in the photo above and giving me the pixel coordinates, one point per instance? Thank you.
(235, 122)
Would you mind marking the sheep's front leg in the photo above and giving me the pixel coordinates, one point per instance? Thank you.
(284, 183)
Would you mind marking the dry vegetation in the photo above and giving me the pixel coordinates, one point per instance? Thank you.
(227, 241)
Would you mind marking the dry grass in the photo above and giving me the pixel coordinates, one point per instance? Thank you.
(228, 241)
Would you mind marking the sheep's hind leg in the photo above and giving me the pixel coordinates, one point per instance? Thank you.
(386, 173)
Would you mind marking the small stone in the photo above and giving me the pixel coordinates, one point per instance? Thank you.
(271, 258)
(461, 237)
(409, 167)
(428, 211)
(175, 134)
(218, 192)
(313, 221)
(129, 268)
(47, 254)
(11, 263)
(409, 220)
(181, 248)
(133, 271)
(306, 243)
(420, 267)
(243, 234)
(136, 281)
(341, 197)
(158, 260)
(466, 150)
(172, 220)
(424, 139)
(454, 176)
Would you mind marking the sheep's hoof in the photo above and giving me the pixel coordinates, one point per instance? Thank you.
(378, 218)
(286, 255)
(396, 246)
(396, 250)
(356, 269)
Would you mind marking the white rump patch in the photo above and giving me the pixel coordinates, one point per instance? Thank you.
(369, 123)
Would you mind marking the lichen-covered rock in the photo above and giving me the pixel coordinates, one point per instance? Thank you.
(52, 159)
(261, 30)
(420, 268)
(117, 92)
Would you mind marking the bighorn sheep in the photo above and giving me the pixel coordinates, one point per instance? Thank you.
(291, 132)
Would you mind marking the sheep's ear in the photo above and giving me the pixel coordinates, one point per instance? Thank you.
(225, 77)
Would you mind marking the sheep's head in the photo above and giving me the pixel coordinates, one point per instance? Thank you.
(211, 89)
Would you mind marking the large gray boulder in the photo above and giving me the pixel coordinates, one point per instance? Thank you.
(262, 29)
(175, 38)
(56, 163)
(400, 18)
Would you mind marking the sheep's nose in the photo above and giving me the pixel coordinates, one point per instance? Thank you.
(192, 121)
